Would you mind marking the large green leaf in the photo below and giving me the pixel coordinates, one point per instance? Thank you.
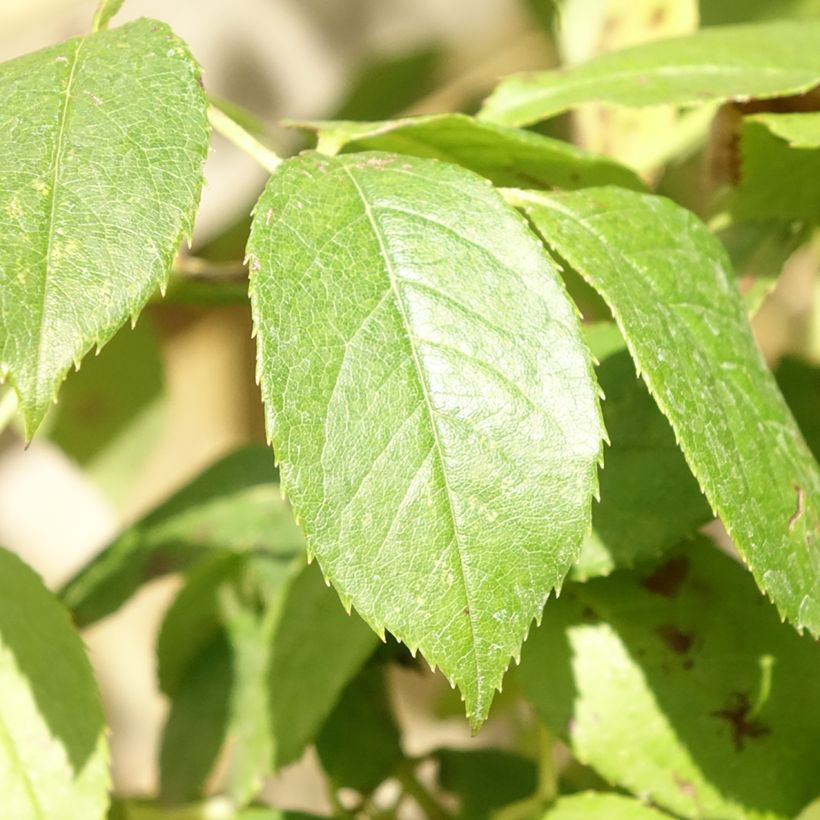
(429, 398)
(780, 164)
(649, 498)
(235, 504)
(601, 806)
(53, 750)
(762, 60)
(506, 156)
(102, 139)
(683, 687)
(671, 290)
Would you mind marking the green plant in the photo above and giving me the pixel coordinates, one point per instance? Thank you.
(433, 402)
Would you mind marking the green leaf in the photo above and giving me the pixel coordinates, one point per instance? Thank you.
(683, 687)
(649, 499)
(721, 12)
(758, 250)
(798, 130)
(102, 139)
(589, 805)
(53, 749)
(669, 285)
(316, 649)
(113, 410)
(429, 399)
(780, 157)
(799, 382)
(388, 84)
(235, 504)
(485, 779)
(214, 642)
(291, 649)
(736, 62)
(359, 745)
(506, 156)
(197, 722)
(195, 619)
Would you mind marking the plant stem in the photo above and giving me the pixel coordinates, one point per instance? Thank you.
(238, 136)
(426, 802)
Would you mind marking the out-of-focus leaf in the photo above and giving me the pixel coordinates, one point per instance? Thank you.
(642, 139)
(485, 779)
(780, 166)
(215, 809)
(53, 749)
(215, 640)
(112, 410)
(799, 382)
(430, 400)
(682, 686)
(506, 156)
(723, 12)
(386, 86)
(291, 650)
(758, 251)
(102, 141)
(671, 290)
(649, 498)
(197, 722)
(359, 745)
(591, 805)
(235, 504)
(316, 649)
(734, 62)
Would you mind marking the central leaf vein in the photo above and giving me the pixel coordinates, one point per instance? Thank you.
(439, 447)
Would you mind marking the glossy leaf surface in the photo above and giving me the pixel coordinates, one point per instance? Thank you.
(102, 139)
(670, 288)
(429, 398)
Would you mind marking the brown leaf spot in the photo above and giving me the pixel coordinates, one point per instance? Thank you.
(736, 714)
(796, 515)
(678, 641)
(667, 579)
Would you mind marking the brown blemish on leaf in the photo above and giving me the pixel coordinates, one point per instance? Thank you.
(667, 579)
(658, 17)
(678, 641)
(685, 787)
(796, 515)
(743, 726)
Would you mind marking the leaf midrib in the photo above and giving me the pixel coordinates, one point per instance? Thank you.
(56, 162)
(379, 234)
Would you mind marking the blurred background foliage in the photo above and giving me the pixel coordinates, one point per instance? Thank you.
(159, 404)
